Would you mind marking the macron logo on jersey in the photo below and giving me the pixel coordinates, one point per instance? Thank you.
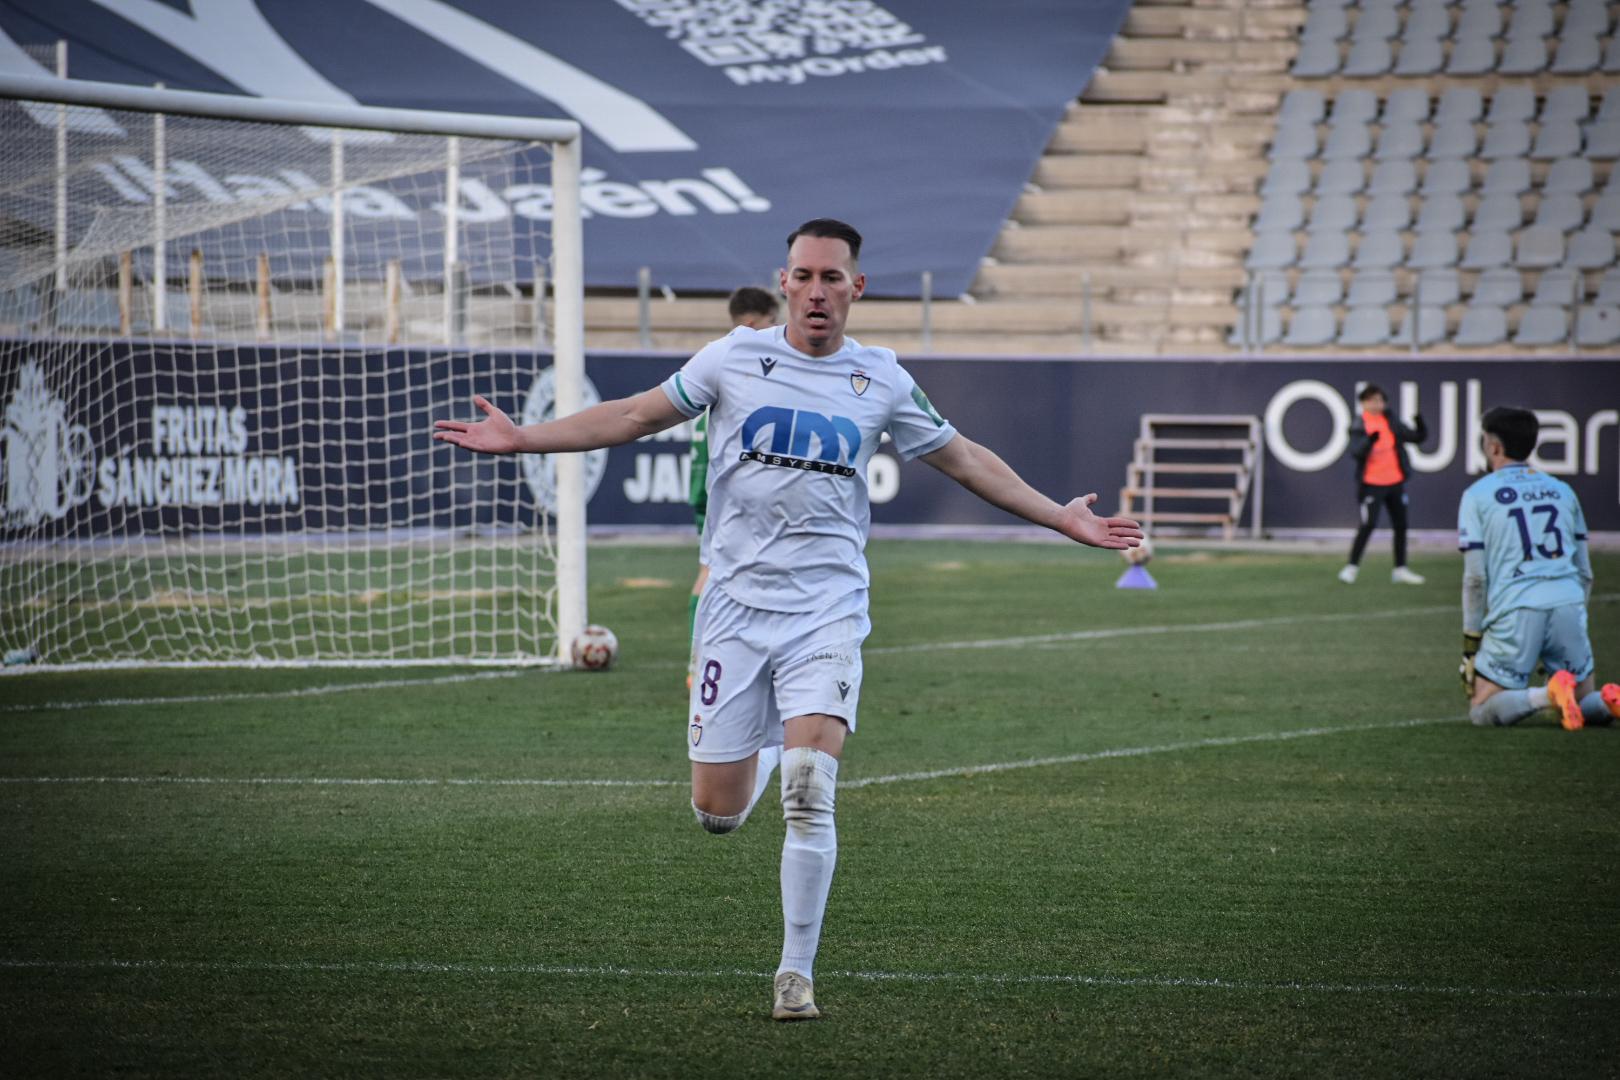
(838, 440)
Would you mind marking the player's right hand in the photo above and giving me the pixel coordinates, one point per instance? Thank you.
(494, 434)
(1465, 670)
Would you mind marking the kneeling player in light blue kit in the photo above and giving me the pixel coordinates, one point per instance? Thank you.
(795, 414)
(1527, 576)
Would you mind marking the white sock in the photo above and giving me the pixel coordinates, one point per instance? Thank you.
(1509, 707)
(766, 764)
(809, 852)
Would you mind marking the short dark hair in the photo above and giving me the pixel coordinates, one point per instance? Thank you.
(751, 300)
(1517, 428)
(829, 229)
(1369, 390)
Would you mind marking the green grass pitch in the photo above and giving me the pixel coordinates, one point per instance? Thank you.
(1270, 846)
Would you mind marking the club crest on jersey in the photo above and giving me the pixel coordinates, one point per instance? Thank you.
(766, 363)
(697, 729)
(859, 382)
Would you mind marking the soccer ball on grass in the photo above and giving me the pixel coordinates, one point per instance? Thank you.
(1139, 555)
(595, 649)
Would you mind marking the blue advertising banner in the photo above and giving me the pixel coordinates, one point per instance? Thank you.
(122, 439)
(713, 126)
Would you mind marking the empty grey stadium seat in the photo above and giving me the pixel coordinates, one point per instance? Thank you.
(1460, 103)
(1327, 22)
(1379, 250)
(1453, 138)
(1438, 287)
(1347, 140)
(1603, 139)
(1376, 20)
(1426, 20)
(1562, 212)
(1325, 251)
(1333, 213)
(1267, 327)
(1279, 213)
(1408, 103)
(1441, 212)
(1609, 107)
(1484, 19)
(1471, 54)
(1481, 325)
(1606, 212)
(1592, 248)
(1311, 326)
(1421, 56)
(1500, 286)
(1341, 178)
(1558, 287)
(1566, 103)
(1295, 139)
(1319, 287)
(1431, 326)
(1539, 247)
(1272, 251)
(1609, 287)
(1597, 325)
(1576, 55)
(1542, 326)
(1393, 178)
(1611, 56)
(1517, 102)
(1369, 57)
(1450, 177)
(1317, 57)
(1570, 176)
(1487, 248)
(1433, 248)
(1287, 176)
(1523, 56)
(1371, 287)
(1270, 288)
(1506, 138)
(1303, 105)
(1509, 176)
(1389, 212)
(1354, 107)
(1400, 139)
(1531, 18)
(1587, 18)
(1502, 212)
(1556, 139)
(1364, 327)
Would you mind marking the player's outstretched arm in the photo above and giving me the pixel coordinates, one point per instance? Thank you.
(611, 423)
(981, 471)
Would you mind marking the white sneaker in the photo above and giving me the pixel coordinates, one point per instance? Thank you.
(795, 998)
(1348, 574)
(1402, 576)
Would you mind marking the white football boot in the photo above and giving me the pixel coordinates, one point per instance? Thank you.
(1402, 576)
(1348, 574)
(795, 998)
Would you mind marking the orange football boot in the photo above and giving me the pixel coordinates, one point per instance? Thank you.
(1561, 692)
(1611, 698)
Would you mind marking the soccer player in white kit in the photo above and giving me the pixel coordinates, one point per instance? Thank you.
(796, 412)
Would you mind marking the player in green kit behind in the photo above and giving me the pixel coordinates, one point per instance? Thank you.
(754, 308)
(1527, 577)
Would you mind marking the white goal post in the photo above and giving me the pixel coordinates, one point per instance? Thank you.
(226, 324)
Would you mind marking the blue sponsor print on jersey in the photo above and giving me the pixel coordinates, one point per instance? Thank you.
(1506, 496)
(837, 439)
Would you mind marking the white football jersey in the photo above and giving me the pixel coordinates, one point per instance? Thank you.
(789, 439)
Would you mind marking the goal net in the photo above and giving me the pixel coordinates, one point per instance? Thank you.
(226, 326)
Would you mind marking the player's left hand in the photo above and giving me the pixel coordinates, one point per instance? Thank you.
(1465, 670)
(1079, 523)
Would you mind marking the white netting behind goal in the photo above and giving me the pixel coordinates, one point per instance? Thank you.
(222, 346)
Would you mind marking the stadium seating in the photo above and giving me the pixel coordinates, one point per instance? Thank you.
(1468, 150)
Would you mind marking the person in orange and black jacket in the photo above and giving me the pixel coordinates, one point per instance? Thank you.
(1378, 445)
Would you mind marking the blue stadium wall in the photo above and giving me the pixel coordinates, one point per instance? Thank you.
(267, 439)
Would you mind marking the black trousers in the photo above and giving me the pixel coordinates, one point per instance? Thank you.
(1372, 497)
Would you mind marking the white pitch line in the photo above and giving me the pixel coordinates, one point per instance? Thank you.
(265, 695)
(960, 771)
(428, 967)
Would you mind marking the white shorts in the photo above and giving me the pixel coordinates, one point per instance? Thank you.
(756, 668)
